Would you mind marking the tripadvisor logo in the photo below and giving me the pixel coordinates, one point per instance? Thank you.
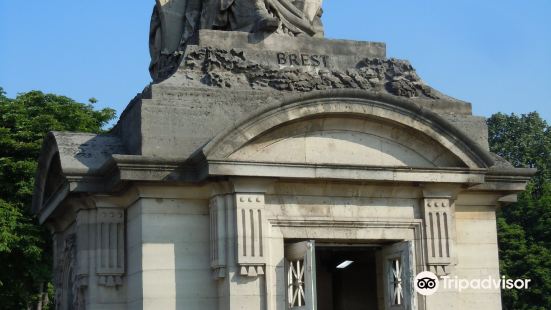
(427, 283)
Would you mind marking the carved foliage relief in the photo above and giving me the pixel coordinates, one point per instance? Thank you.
(231, 69)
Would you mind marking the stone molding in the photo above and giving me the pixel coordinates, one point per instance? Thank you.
(416, 225)
(344, 172)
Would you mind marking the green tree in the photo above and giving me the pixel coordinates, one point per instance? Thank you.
(524, 228)
(25, 253)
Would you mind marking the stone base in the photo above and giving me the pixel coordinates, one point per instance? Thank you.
(228, 76)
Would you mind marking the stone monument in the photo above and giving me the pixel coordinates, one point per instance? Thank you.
(269, 168)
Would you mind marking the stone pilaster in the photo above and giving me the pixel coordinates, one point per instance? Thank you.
(250, 243)
(237, 220)
(82, 270)
(218, 210)
(439, 224)
(110, 264)
(239, 232)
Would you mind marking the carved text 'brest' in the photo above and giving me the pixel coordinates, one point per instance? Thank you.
(292, 59)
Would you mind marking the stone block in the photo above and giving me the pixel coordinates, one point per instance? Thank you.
(476, 231)
(158, 228)
(277, 42)
(159, 284)
(159, 303)
(477, 256)
(134, 288)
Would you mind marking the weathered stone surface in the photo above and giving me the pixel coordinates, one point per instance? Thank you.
(84, 152)
(176, 123)
(267, 50)
(227, 76)
(75, 154)
(474, 126)
(231, 69)
(175, 23)
(179, 121)
(279, 43)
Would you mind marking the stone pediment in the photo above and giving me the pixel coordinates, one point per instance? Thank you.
(349, 128)
(76, 155)
(347, 141)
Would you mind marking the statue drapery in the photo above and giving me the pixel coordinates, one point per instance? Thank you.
(295, 16)
(175, 22)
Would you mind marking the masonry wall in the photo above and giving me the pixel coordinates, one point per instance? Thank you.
(168, 244)
(168, 255)
(477, 254)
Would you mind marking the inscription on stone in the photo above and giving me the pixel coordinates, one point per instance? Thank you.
(292, 59)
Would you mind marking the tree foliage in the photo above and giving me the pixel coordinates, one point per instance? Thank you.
(524, 228)
(24, 246)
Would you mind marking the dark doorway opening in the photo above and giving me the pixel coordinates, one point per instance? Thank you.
(346, 278)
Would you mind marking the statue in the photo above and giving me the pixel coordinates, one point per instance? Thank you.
(175, 23)
(265, 16)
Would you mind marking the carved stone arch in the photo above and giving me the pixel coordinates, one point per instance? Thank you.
(48, 164)
(54, 178)
(350, 106)
(67, 159)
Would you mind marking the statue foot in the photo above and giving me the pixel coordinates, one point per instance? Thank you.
(266, 24)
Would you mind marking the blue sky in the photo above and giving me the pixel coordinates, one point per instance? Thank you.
(495, 54)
